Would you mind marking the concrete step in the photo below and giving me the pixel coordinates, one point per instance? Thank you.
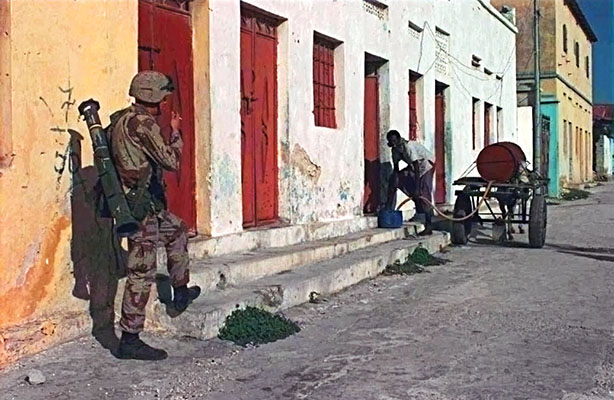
(271, 237)
(239, 268)
(277, 236)
(204, 318)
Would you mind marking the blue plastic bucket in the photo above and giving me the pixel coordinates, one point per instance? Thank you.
(390, 219)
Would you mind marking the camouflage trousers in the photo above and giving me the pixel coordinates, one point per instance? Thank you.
(165, 228)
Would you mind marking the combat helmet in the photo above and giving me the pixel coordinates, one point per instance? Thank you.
(151, 86)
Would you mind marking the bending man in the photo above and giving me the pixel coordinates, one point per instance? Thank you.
(415, 180)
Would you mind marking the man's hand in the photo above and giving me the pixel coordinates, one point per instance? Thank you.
(175, 122)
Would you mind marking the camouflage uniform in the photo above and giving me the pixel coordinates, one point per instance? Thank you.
(140, 153)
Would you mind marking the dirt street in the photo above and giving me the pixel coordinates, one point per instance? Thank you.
(494, 323)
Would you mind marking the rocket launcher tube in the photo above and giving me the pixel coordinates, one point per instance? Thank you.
(125, 224)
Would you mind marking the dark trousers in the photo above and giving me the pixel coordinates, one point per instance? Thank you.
(423, 187)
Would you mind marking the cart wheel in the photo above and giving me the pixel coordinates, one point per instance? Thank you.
(538, 217)
(462, 230)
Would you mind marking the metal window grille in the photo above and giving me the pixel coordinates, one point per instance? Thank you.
(414, 30)
(324, 82)
(374, 7)
(442, 59)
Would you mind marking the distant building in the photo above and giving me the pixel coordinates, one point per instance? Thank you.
(566, 40)
(603, 135)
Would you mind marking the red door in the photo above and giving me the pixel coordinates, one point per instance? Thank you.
(258, 118)
(413, 108)
(371, 133)
(440, 147)
(165, 45)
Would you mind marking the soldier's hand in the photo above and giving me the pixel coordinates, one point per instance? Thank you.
(175, 121)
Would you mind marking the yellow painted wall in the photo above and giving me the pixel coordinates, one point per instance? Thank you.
(566, 62)
(61, 53)
(578, 111)
(573, 93)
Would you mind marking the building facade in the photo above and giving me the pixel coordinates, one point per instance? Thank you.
(603, 139)
(285, 108)
(566, 84)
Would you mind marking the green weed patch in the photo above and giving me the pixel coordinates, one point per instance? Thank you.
(406, 268)
(256, 326)
(414, 264)
(575, 194)
(421, 256)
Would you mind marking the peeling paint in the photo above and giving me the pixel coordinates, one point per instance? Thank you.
(48, 328)
(344, 190)
(29, 261)
(302, 161)
(226, 177)
(25, 298)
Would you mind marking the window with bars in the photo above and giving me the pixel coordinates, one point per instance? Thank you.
(442, 59)
(587, 66)
(324, 81)
(577, 53)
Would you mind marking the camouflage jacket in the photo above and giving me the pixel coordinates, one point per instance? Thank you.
(139, 150)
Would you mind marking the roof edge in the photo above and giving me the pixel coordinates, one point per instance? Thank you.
(579, 15)
(486, 4)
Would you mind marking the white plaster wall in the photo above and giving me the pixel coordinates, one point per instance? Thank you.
(525, 131)
(225, 140)
(607, 158)
(603, 156)
(474, 28)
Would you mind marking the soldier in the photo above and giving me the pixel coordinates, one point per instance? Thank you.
(140, 154)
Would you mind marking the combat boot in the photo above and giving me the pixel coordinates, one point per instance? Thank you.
(133, 348)
(184, 295)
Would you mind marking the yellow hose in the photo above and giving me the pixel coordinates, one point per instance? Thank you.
(438, 211)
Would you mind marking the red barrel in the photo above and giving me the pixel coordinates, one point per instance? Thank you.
(500, 162)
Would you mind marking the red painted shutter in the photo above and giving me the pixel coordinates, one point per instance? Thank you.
(247, 124)
(413, 113)
(440, 153)
(324, 83)
(258, 119)
(371, 146)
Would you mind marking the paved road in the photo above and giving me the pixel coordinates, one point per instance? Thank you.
(494, 323)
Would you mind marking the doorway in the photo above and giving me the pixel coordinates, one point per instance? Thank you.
(372, 128)
(259, 118)
(440, 143)
(165, 45)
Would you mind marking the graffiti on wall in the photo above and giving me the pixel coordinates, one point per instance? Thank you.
(65, 158)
